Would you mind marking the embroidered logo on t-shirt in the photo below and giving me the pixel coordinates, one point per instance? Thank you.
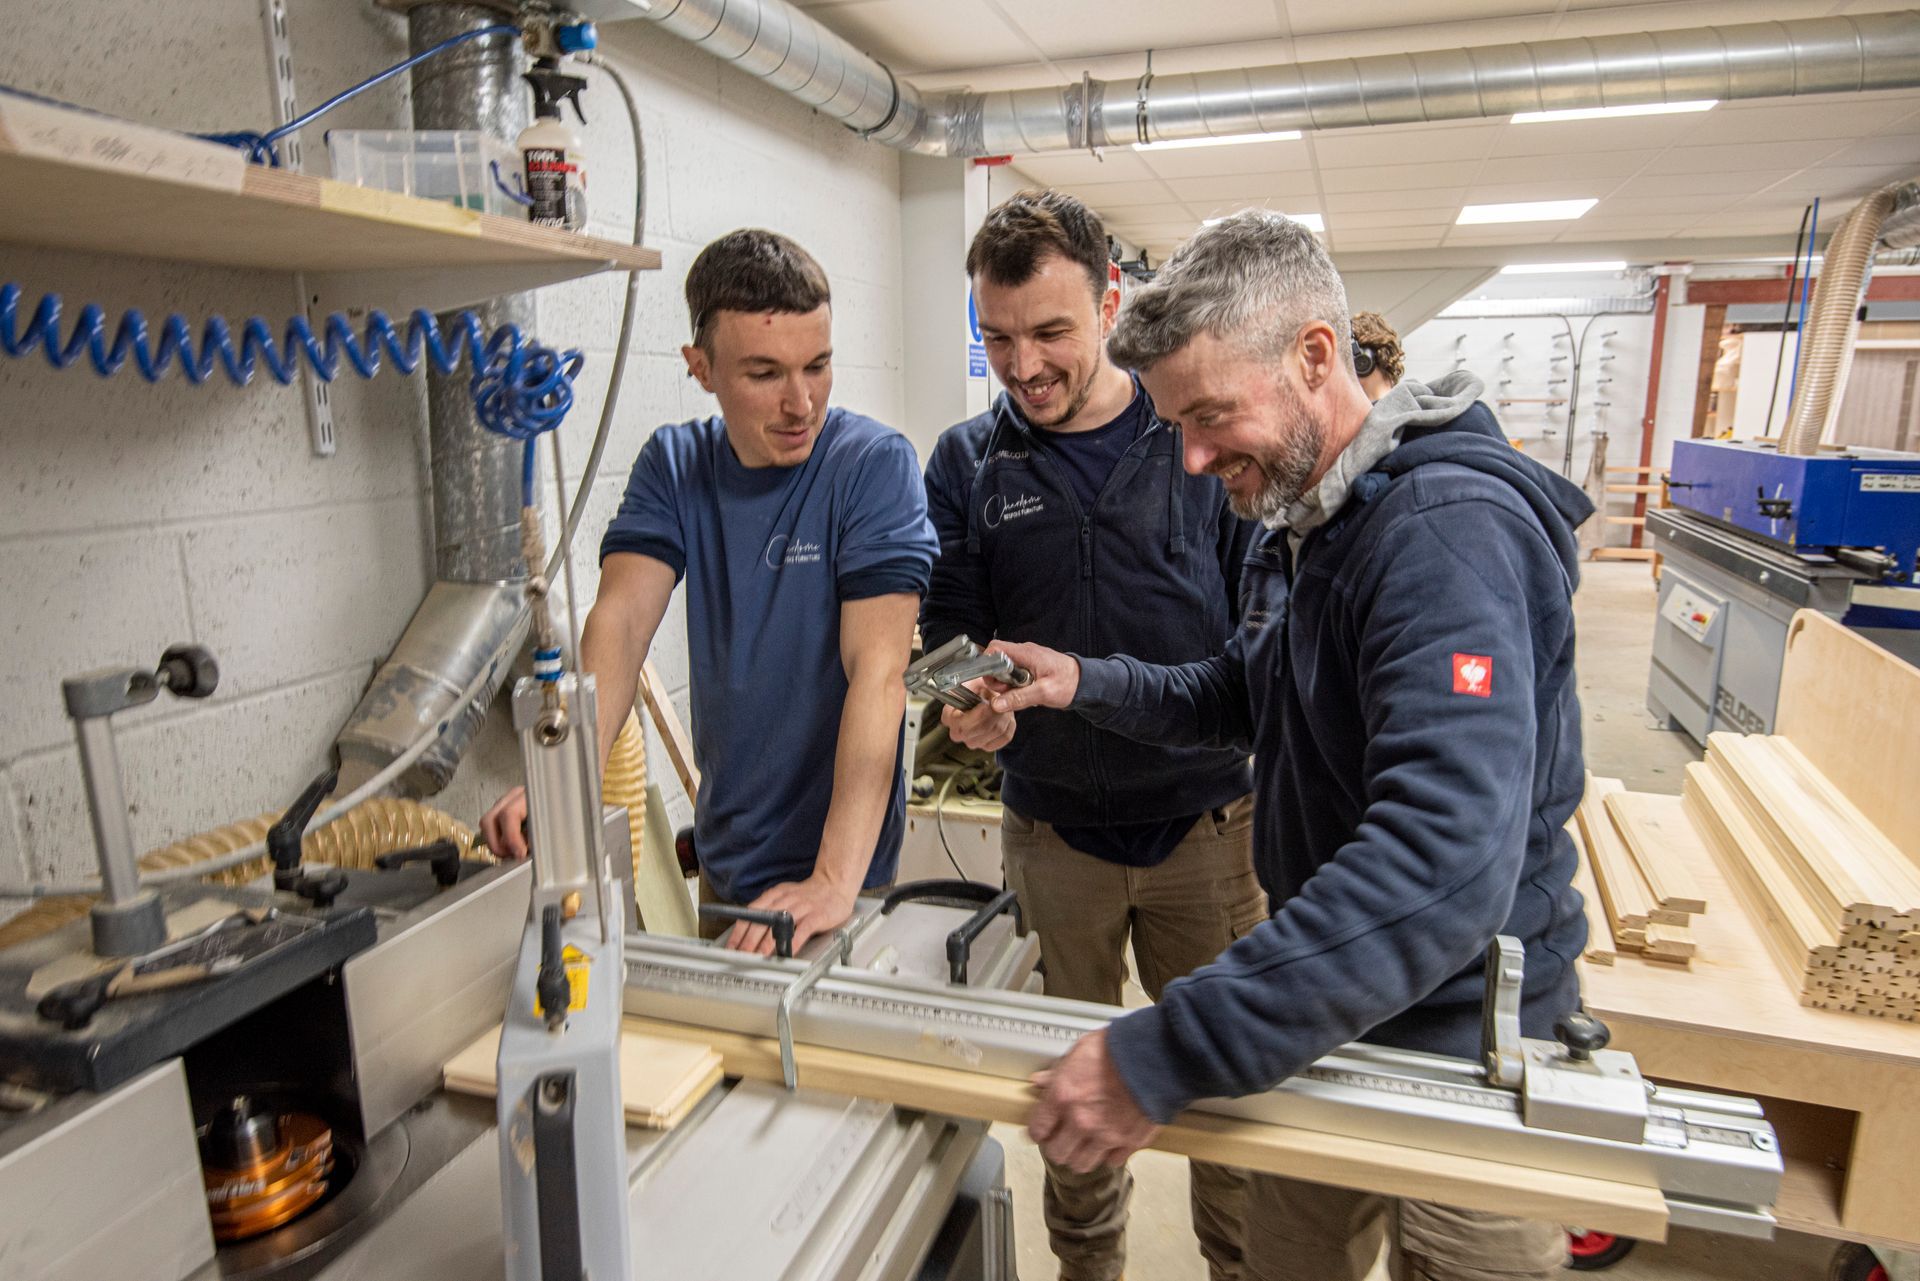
(1473, 674)
(783, 551)
(1000, 509)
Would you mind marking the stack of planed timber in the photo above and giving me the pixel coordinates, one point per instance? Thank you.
(1837, 904)
(1648, 898)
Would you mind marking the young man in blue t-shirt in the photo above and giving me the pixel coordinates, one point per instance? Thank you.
(1063, 513)
(802, 534)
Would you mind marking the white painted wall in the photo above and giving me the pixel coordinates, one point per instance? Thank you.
(1527, 358)
(134, 516)
(1759, 352)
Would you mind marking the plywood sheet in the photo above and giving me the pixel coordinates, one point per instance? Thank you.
(660, 1078)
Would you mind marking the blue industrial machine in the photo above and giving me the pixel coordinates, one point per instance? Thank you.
(1755, 534)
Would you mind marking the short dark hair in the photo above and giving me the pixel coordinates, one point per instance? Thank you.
(1011, 243)
(754, 271)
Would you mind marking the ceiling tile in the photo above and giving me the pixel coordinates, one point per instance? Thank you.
(1222, 208)
(1412, 198)
(1352, 148)
(1065, 168)
(1439, 215)
(1087, 29)
(1165, 211)
(1604, 164)
(1101, 194)
(1837, 182)
(1393, 178)
(910, 35)
(1317, 17)
(1681, 184)
(1239, 158)
(1586, 138)
(1571, 188)
(1732, 157)
(1826, 116)
(1705, 202)
(1253, 188)
(1902, 150)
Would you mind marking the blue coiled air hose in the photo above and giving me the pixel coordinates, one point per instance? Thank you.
(521, 388)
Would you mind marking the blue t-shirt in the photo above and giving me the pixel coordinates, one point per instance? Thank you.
(768, 555)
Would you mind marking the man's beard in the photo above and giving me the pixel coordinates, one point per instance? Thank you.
(1288, 466)
(1072, 407)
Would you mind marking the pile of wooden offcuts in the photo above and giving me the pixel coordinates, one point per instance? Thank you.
(1837, 903)
(1646, 897)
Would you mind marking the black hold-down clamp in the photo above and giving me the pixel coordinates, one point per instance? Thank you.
(944, 673)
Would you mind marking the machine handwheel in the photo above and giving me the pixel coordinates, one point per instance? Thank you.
(1855, 1262)
(1593, 1251)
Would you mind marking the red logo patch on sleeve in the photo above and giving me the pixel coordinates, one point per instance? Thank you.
(1473, 674)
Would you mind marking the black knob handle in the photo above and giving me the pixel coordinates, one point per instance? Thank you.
(189, 671)
(442, 858)
(321, 888)
(781, 923)
(1582, 1034)
(685, 853)
(551, 985)
(283, 838)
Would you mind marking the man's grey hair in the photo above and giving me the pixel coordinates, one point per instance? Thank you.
(1253, 280)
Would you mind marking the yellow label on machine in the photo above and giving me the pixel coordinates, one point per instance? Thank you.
(577, 965)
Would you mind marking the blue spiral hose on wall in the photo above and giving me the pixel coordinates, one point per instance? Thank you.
(521, 388)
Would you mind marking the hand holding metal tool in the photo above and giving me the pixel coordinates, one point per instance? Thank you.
(944, 673)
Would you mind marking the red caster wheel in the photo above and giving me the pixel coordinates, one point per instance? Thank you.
(1593, 1251)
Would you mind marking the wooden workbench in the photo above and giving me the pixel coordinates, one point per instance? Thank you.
(1842, 1090)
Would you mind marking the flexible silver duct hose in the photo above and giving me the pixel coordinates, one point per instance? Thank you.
(1826, 343)
(785, 47)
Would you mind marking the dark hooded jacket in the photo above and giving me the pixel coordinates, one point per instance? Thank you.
(1403, 671)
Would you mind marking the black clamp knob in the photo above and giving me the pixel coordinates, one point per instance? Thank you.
(1582, 1034)
(284, 841)
(188, 671)
(442, 858)
(321, 888)
(781, 923)
(551, 984)
(1774, 508)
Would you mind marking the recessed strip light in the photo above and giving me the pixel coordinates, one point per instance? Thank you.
(1311, 221)
(1174, 144)
(1607, 113)
(1560, 268)
(1526, 211)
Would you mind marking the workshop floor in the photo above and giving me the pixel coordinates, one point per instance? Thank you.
(1615, 607)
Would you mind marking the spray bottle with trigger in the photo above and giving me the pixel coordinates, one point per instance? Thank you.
(552, 151)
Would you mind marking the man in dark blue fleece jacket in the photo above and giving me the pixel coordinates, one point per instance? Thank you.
(1064, 517)
(1404, 673)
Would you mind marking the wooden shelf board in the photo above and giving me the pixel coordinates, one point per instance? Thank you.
(184, 200)
(1623, 553)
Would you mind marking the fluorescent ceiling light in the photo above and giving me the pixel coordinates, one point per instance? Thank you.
(1311, 221)
(1174, 144)
(1560, 268)
(1606, 113)
(1527, 211)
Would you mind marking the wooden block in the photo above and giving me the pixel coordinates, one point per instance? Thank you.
(1670, 942)
(1652, 826)
(1628, 901)
(1623, 553)
(1599, 950)
(1368, 1165)
(661, 1078)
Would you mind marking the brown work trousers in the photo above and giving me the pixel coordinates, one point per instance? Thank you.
(1180, 914)
(1310, 1232)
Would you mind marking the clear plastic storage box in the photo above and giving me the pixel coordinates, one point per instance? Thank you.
(457, 166)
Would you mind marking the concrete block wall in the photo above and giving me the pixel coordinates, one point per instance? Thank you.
(132, 516)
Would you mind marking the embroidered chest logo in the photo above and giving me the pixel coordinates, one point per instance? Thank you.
(1473, 674)
(1000, 509)
(782, 551)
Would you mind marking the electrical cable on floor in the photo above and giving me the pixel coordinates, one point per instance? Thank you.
(482, 680)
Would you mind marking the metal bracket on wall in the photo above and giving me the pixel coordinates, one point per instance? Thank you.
(314, 393)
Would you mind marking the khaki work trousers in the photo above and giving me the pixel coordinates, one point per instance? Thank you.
(1180, 914)
(1310, 1232)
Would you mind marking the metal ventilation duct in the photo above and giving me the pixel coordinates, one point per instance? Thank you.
(783, 46)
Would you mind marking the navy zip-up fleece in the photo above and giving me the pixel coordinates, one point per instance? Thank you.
(1413, 712)
(1153, 570)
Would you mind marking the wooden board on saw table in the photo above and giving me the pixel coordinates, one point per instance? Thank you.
(1390, 1169)
(1650, 826)
(661, 1079)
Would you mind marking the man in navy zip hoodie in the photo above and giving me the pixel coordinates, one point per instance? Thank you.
(1063, 516)
(1404, 673)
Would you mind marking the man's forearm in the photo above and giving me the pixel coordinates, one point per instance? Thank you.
(611, 651)
(863, 765)
(1201, 704)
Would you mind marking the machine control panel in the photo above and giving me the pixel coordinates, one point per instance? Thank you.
(1691, 611)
